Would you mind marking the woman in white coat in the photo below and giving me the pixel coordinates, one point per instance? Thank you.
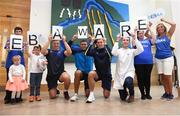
(125, 71)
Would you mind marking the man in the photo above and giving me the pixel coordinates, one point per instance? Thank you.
(102, 59)
(84, 65)
(11, 53)
(55, 58)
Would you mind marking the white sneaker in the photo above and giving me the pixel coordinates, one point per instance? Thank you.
(74, 98)
(90, 99)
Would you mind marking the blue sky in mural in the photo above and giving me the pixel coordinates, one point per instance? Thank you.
(120, 7)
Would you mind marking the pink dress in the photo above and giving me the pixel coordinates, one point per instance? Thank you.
(16, 80)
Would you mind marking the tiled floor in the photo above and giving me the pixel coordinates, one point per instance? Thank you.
(101, 106)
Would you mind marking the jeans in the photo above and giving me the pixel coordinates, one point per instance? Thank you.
(35, 83)
(128, 83)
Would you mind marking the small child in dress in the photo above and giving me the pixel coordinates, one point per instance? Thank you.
(37, 65)
(16, 82)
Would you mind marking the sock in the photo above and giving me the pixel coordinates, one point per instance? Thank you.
(91, 93)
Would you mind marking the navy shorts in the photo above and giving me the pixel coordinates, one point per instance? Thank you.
(106, 80)
(52, 80)
(85, 78)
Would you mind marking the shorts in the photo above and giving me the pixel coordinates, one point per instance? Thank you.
(106, 80)
(165, 66)
(85, 78)
(52, 80)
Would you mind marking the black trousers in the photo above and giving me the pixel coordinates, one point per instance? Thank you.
(143, 72)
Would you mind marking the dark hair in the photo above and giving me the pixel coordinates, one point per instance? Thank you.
(38, 47)
(17, 28)
(138, 33)
(84, 40)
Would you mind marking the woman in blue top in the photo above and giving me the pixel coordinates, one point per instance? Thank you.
(164, 56)
(144, 64)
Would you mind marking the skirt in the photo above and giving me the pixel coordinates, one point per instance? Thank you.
(17, 85)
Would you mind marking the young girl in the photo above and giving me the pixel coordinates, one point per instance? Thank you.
(17, 76)
(37, 66)
(125, 71)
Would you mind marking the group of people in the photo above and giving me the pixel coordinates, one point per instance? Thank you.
(130, 61)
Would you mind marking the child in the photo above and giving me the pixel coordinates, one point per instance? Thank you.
(16, 82)
(37, 66)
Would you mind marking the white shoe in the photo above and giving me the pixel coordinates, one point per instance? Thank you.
(74, 98)
(90, 99)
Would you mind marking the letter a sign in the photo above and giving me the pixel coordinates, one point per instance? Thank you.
(99, 31)
(57, 32)
(82, 32)
(16, 42)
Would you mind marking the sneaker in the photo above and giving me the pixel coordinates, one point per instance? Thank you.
(74, 98)
(164, 96)
(38, 98)
(143, 97)
(66, 95)
(148, 97)
(90, 99)
(170, 96)
(31, 98)
(130, 99)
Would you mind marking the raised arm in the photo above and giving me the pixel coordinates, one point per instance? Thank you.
(115, 47)
(139, 47)
(172, 28)
(44, 50)
(68, 51)
(89, 50)
(150, 34)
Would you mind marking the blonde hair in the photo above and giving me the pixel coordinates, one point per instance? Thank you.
(16, 57)
(165, 29)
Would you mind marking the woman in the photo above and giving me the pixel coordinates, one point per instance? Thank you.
(144, 64)
(164, 56)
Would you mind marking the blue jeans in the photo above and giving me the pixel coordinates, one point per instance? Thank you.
(35, 83)
(128, 83)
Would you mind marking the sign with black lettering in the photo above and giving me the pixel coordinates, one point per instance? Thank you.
(33, 38)
(57, 32)
(125, 29)
(142, 23)
(16, 42)
(99, 31)
(82, 32)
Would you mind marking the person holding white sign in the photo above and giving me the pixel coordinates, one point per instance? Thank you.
(164, 56)
(84, 65)
(55, 58)
(102, 60)
(144, 63)
(36, 71)
(125, 71)
(11, 53)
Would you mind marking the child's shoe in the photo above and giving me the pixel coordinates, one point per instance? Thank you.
(13, 101)
(31, 98)
(38, 98)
